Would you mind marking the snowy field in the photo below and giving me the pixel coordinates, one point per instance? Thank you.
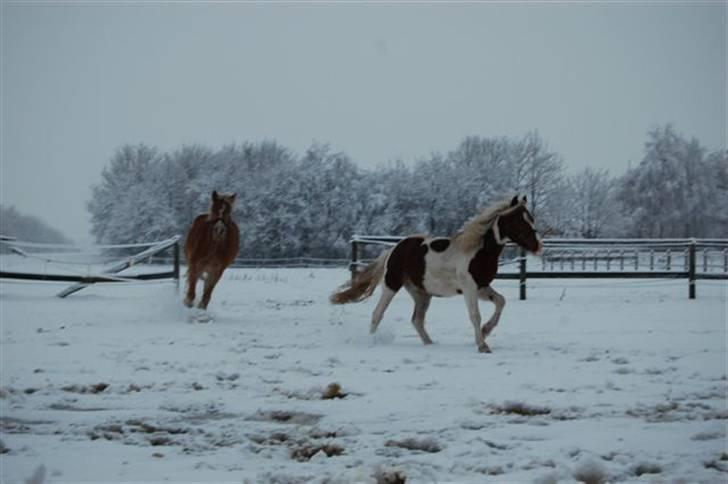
(601, 380)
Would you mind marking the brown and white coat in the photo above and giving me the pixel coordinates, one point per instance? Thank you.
(442, 267)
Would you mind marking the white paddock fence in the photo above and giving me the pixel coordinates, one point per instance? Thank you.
(691, 259)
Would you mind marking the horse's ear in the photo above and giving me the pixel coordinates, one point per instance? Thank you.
(525, 200)
(233, 197)
(514, 202)
(214, 195)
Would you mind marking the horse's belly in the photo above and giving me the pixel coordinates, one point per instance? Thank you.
(441, 284)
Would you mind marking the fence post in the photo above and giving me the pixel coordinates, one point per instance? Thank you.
(175, 252)
(522, 278)
(354, 258)
(691, 270)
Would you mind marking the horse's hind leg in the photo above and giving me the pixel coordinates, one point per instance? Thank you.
(192, 275)
(213, 275)
(384, 300)
(490, 294)
(422, 303)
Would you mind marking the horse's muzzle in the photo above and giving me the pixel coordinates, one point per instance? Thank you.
(539, 251)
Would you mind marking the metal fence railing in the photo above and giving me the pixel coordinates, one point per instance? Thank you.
(63, 254)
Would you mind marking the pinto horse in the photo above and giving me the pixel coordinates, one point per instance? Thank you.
(212, 244)
(464, 264)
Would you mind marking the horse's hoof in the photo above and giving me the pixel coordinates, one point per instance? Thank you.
(484, 348)
(188, 303)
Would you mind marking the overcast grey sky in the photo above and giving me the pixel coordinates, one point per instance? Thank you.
(378, 81)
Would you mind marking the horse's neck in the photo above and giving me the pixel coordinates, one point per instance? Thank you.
(490, 246)
(226, 219)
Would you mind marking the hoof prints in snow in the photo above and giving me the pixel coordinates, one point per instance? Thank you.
(97, 388)
(519, 408)
(677, 412)
(70, 407)
(720, 465)
(284, 416)
(301, 447)
(143, 433)
(306, 452)
(647, 468)
(428, 444)
(12, 425)
(331, 392)
(520, 412)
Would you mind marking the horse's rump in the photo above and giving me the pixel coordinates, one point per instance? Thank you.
(363, 284)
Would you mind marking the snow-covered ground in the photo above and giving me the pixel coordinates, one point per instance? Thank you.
(617, 380)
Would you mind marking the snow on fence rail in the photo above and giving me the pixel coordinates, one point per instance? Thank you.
(690, 259)
(90, 256)
(277, 262)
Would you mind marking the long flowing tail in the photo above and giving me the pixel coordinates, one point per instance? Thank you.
(363, 284)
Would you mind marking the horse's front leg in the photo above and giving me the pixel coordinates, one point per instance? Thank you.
(213, 275)
(192, 275)
(471, 301)
(490, 294)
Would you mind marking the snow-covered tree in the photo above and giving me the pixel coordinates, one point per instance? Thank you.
(594, 208)
(673, 192)
(124, 187)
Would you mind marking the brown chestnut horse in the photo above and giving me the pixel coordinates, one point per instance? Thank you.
(212, 244)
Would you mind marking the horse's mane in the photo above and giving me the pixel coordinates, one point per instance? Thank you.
(472, 233)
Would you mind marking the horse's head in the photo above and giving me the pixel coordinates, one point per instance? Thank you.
(222, 206)
(518, 224)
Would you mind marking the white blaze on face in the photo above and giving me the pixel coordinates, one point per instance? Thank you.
(219, 230)
(529, 221)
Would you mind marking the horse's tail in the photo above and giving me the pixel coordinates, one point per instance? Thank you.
(363, 284)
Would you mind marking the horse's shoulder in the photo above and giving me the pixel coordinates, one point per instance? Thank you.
(200, 220)
(439, 244)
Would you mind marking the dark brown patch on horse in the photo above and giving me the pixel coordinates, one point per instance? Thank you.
(440, 245)
(406, 263)
(484, 265)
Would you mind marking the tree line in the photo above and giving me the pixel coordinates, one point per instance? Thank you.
(291, 205)
(27, 227)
